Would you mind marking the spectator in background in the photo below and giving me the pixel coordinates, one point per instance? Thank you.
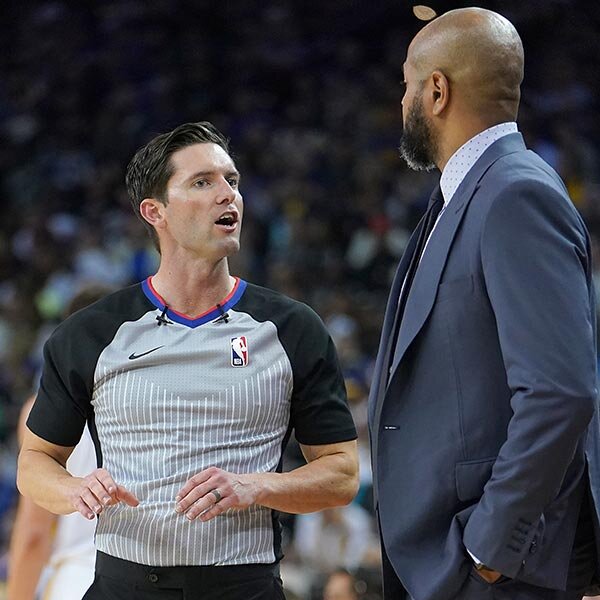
(340, 585)
(336, 538)
(53, 556)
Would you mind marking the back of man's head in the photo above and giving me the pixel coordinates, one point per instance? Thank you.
(481, 55)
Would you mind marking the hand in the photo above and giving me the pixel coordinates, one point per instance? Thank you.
(489, 575)
(98, 490)
(213, 491)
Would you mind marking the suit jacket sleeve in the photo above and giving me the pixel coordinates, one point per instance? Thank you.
(535, 261)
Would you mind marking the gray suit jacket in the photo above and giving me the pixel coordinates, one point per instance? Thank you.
(479, 415)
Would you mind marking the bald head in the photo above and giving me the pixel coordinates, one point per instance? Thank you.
(481, 55)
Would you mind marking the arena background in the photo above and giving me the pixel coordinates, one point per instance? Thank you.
(309, 93)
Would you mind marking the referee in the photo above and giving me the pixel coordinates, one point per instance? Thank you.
(191, 383)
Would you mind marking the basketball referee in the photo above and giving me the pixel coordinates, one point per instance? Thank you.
(191, 383)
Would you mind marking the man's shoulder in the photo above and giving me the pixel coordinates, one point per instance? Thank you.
(522, 191)
(266, 297)
(524, 168)
(265, 304)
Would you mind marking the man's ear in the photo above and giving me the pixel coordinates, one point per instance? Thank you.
(152, 211)
(440, 92)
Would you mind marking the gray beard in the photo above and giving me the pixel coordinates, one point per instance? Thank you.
(418, 146)
(415, 154)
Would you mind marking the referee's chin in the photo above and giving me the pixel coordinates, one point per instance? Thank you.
(233, 247)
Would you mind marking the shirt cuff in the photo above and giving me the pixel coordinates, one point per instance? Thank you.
(475, 559)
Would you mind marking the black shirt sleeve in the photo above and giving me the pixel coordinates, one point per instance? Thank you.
(63, 404)
(319, 412)
(63, 401)
(319, 408)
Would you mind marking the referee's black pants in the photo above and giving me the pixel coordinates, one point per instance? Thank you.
(118, 579)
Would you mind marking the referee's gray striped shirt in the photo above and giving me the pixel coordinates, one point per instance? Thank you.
(167, 401)
(159, 426)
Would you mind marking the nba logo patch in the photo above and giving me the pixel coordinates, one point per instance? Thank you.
(239, 351)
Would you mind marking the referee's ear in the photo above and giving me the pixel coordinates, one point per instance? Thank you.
(152, 211)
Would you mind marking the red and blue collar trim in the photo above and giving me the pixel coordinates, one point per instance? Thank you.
(210, 315)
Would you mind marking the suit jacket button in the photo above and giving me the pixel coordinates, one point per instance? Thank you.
(533, 547)
(153, 577)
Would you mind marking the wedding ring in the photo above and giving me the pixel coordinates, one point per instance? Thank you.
(217, 494)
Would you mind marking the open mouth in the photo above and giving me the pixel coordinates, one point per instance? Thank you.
(228, 220)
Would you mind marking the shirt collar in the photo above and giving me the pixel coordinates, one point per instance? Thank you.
(466, 156)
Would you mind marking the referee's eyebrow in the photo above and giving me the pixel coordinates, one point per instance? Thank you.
(231, 173)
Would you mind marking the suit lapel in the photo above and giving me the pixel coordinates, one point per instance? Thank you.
(380, 373)
(427, 278)
(424, 288)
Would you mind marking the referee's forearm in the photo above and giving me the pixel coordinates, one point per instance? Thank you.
(326, 482)
(45, 481)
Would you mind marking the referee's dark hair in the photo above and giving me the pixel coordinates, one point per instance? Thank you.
(151, 168)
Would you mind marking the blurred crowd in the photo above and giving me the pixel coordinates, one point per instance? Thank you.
(309, 94)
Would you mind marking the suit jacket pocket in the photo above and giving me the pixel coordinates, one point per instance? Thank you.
(454, 288)
(471, 477)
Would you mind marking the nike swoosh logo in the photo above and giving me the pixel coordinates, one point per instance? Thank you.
(133, 355)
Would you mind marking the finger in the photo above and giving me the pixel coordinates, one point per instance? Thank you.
(200, 506)
(208, 506)
(100, 491)
(217, 509)
(105, 478)
(194, 481)
(124, 495)
(112, 493)
(83, 509)
(205, 499)
(198, 501)
(198, 494)
(90, 501)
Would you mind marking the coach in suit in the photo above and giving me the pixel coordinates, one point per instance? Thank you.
(482, 412)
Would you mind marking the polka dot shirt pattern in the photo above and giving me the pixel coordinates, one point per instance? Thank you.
(466, 156)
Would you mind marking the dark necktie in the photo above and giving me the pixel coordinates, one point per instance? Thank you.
(436, 202)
